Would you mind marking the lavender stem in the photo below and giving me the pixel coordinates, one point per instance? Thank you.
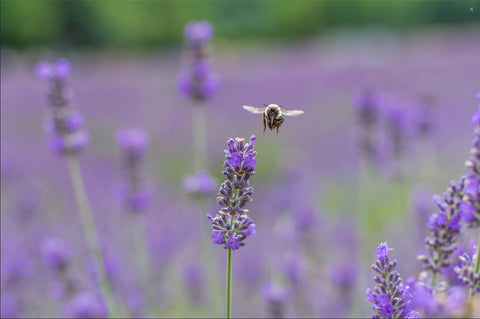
(90, 233)
(199, 137)
(229, 279)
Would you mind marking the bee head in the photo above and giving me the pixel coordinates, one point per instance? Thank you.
(272, 110)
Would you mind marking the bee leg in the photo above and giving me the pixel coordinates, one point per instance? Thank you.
(277, 131)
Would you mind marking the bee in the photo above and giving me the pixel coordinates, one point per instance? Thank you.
(273, 115)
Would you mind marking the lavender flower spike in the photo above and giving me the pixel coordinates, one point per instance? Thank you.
(470, 207)
(198, 82)
(391, 298)
(231, 225)
(69, 138)
(466, 273)
(444, 229)
(134, 144)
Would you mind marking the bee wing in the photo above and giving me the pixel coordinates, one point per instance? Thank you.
(254, 110)
(292, 112)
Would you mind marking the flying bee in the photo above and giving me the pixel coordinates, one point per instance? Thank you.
(273, 115)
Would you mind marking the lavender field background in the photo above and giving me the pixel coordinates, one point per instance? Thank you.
(320, 210)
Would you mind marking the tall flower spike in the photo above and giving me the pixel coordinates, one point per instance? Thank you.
(391, 298)
(134, 144)
(198, 82)
(231, 225)
(366, 105)
(444, 227)
(470, 207)
(66, 124)
(466, 273)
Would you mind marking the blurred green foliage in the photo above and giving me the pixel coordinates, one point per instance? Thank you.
(145, 24)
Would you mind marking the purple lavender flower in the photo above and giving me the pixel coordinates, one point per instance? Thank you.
(231, 225)
(198, 31)
(69, 138)
(470, 208)
(198, 82)
(366, 104)
(276, 298)
(466, 273)
(136, 195)
(56, 253)
(444, 228)
(85, 305)
(397, 119)
(9, 306)
(194, 280)
(391, 298)
(199, 184)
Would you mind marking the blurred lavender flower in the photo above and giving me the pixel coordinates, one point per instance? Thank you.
(69, 138)
(390, 297)
(199, 185)
(397, 120)
(56, 253)
(445, 303)
(9, 306)
(231, 225)
(276, 298)
(467, 274)
(198, 82)
(194, 280)
(134, 144)
(366, 105)
(423, 115)
(85, 305)
(444, 227)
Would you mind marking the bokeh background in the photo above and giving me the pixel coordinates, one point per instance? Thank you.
(320, 212)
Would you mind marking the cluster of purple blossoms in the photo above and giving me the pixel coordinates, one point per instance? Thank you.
(198, 82)
(134, 144)
(470, 207)
(390, 297)
(467, 274)
(199, 185)
(231, 225)
(444, 228)
(444, 303)
(66, 125)
(366, 104)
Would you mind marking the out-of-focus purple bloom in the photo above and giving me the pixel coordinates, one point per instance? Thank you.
(443, 229)
(85, 305)
(231, 225)
(194, 280)
(198, 82)
(397, 119)
(476, 117)
(391, 298)
(135, 193)
(56, 253)
(198, 31)
(9, 306)
(69, 138)
(366, 105)
(276, 298)
(133, 140)
(199, 184)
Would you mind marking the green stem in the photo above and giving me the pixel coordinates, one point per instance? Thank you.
(199, 137)
(90, 232)
(477, 263)
(229, 281)
(432, 283)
